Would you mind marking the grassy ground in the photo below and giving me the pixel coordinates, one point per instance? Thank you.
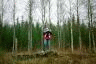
(63, 57)
(5, 57)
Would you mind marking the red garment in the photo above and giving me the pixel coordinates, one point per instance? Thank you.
(47, 36)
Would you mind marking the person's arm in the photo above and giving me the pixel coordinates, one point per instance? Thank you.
(50, 36)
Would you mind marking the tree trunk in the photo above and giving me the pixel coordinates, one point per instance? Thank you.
(78, 23)
(14, 37)
(0, 29)
(30, 27)
(1, 23)
(43, 20)
(93, 42)
(50, 24)
(89, 24)
(71, 29)
(58, 22)
(71, 37)
(80, 40)
(58, 34)
(92, 29)
(49, 14)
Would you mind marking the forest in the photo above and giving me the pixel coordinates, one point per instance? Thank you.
(72, 37)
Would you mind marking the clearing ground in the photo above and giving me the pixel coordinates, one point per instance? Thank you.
(60, 57)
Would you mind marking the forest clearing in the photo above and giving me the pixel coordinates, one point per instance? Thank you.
(47, 31)
(61, 57)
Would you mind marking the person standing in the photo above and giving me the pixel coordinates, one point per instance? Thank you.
(47, 35)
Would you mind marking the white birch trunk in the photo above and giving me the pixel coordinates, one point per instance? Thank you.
(30, 27)
(91, 15)
(28, 37)
(1, 22)
(64, 36)
(89, 41)
(31, 35)
(93, 42)
(43, 19)
(80, 43)
(71, 37)
(14, 42)
(71, 30)
(58, 39)
(89, 24)
(0, 28)
(50, 24)
(2, 12)
(16, 45)
(58, 22)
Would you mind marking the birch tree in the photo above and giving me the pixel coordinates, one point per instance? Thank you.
(43, 16)
(89, 24)
(58, 20)
(1, 20)
(14, 37)
(71, 27)
(61, 5)
(43, 10)
(30, 26)
(49, 12)
(91, 17)
(49, 22)
(2, 11)
(78, 24)
(0, 29)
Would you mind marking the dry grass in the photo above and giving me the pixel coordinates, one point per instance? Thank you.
(6, 58)
(67, 59)
(64, 57)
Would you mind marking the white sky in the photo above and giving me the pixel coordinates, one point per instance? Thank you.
(22, 10)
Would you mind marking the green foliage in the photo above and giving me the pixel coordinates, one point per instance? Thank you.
(84, 35)
(7, 37)
(21, 31)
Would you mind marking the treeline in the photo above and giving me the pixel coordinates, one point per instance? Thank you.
(21, 31)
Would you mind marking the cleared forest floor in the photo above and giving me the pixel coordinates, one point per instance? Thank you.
(62, 57)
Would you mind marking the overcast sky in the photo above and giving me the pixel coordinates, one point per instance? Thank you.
(22, 10)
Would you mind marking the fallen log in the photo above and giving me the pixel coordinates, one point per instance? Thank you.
(23, 56)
